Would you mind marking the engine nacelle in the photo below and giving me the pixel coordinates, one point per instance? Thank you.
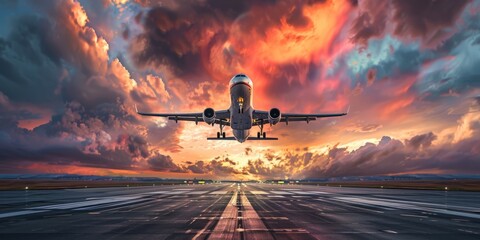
(274, 116)
(209, 115)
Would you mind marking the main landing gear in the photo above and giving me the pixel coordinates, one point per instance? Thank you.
(261, 133)
(221, 134)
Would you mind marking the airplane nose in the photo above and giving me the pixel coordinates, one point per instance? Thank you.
(241, 135)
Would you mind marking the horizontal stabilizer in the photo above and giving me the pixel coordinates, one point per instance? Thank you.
(249, 138)
(268, 138)
(227, 138)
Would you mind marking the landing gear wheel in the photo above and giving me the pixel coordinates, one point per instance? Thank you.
(264, 135)
(223, 134)
(218, 134)
(258, 134)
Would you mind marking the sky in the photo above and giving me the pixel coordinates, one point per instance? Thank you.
(72, 71)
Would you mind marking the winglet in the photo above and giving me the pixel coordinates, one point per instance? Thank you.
(136, 109)
(348, 109)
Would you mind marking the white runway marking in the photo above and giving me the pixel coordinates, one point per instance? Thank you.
(19, 213)
(408, 206)
(197, 192)
(182, 189)
(219, 192)
(308, 192)
(157, 192)
(281, 192)
(65, 206)
(258, 192)
(317, 192)
(176, 192)
(275, 196)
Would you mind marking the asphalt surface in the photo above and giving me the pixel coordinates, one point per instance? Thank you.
(239, 211)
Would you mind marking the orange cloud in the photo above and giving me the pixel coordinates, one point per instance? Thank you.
(284, 42)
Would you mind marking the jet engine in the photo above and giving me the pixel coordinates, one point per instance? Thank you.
(274, 116)
(209, 115)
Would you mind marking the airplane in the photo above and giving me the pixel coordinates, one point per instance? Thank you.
(241, 116)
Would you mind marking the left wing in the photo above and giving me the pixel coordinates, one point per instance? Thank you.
(261, 117)
(221, 116)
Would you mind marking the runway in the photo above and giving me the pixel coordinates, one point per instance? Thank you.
(239, 211)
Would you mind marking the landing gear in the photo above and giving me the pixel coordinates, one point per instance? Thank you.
(261, 133)
(221, 133)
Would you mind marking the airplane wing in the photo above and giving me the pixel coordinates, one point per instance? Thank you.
(221, 116)
(261, 117)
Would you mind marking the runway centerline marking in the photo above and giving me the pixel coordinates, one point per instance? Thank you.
(253, 226)
(225, 228)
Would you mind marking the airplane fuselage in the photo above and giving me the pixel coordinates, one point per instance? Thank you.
(241, 108)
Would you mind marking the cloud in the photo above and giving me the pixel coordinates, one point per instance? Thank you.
(248, 151)
(431, 22)
(392, 156)
(421, 141)
(364, 128)
(54, 62)
(164, 163)
(217, 167)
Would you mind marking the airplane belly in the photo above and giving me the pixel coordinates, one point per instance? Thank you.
(240, 122)
(241, 110)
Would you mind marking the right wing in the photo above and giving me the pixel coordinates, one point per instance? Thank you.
(261, 117)
(221, 117)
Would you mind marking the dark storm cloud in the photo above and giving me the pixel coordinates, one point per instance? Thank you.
(219, 166)
(421, 141)
(199, 167)
(29, 63)
(175, 37)
(136, 145)
(164, 163)
(259, 168)
(430, 20)
(19, 157)
(392, 156)
(53, 60)
(46, 60)
(370, 22)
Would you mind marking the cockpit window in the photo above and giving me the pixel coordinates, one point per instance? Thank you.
(241, 78)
